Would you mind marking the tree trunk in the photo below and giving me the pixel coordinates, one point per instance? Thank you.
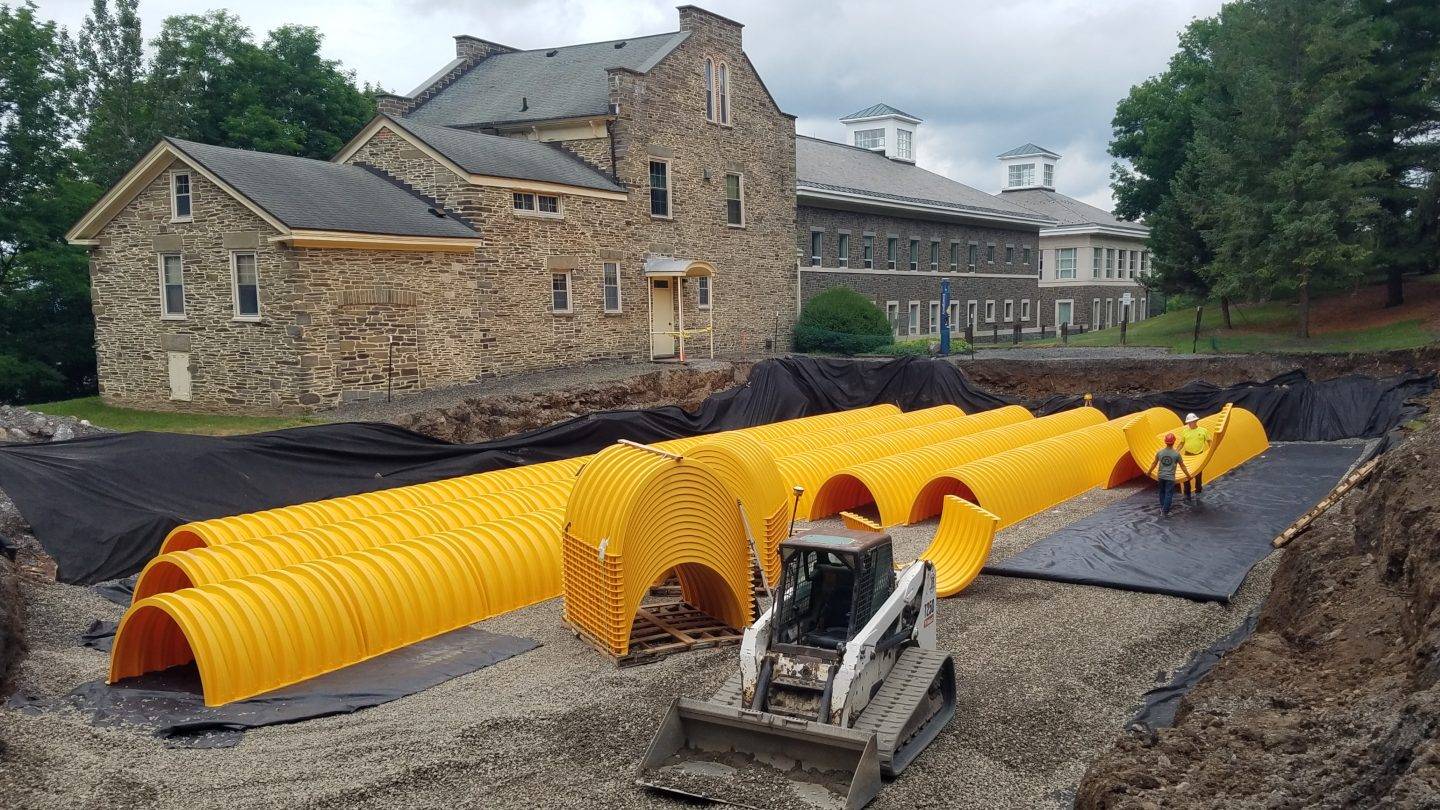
(1225, 311)
(1394, 286)
(1304, 331)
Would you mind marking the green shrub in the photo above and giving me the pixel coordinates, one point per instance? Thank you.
(908, 348)
(841, 321)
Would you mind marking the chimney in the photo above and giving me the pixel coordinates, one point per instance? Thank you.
(710, 25)
(392, 105)
(884, 129)
(474, 49)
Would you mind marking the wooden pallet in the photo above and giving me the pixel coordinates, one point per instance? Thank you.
(669, 588)
(1351, 481)
(661, 630)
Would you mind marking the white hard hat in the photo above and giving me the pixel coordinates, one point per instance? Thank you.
(1191, 417)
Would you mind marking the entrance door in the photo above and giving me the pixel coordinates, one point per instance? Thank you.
(662, 317)
(178, 366)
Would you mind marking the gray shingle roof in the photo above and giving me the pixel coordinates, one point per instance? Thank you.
(499, 156)
(311, 194)
(836, 167)
(876, 110)
(1028, 149)
(569, 84)
(1069, 211)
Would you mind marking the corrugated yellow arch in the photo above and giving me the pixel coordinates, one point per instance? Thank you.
(174, 570)
(636, 514)
(1026, 480)
(788, 427)
(813, 468)
(250, 635)
(1236, 437)
(319, 513)
(893, 483)
(749, 470)
(961, 545)
(792, 445)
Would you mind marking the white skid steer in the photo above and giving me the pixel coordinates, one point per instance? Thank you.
(839, 684)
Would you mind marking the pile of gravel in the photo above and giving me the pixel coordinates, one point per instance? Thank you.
(24, 426)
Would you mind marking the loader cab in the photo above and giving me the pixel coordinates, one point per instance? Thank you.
(831, 583)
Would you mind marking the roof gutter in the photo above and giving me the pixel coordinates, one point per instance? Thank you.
(1139, 232)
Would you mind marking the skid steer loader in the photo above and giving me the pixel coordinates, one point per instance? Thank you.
(839, 684)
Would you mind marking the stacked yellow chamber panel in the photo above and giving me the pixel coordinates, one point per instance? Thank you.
(636, 514)
(782, 446)
(961, 545)
(748, 469)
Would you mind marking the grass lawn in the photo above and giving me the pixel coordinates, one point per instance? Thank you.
(1352, 322)
(127, 419)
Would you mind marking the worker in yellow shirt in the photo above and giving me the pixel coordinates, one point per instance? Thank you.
(1193, 441)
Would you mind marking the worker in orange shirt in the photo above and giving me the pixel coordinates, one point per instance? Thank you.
(1193, 442)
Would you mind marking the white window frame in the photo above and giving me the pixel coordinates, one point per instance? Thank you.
(905, 144)
(954, 256)
(867, 250)
(1060, 269)
(740, 189)
(569, 293)
(817, 248)
(954, 315)
(1096, 259)
(989, 252)
(1009, 310)
(934, 255)
(605, 285)
(1110, 312)
(972, 313)
(1022, 174)
(912, 324)
(972, 254)
(709, 89)
(842, 250)
(189, 196)
(1025, 255)
(1070, 302)
(1024, 310)
(235, 285)
(722, 85)
(892, 252)
(1109, 262)
(1009, 254)
(534, 210)
(914, 254)
(1095, 313)
(165, 313)
(1049, 175)
(704, 292)
(935, 317)
(873, 138)
(669, 189)
(990, 310)
(892, 314)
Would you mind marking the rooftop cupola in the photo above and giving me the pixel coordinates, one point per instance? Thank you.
(1028, 166)
(882, 128)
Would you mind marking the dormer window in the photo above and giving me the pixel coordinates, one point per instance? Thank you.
(1050, 175)
(1022, 174)
(180, 197)
(904, 144)
(870, 138)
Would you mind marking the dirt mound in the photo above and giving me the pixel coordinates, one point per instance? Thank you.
(1335, 701)
(490, 417)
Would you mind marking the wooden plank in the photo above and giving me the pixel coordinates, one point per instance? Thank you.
(1351, 481)
(663, 625)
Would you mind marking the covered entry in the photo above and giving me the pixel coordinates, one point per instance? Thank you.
(675, 284)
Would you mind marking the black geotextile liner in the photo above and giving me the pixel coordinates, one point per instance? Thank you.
(1202, 550)
(101, 505)
(170, 704)
(1159, 705)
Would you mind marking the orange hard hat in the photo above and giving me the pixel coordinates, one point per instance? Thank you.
(1169, 438)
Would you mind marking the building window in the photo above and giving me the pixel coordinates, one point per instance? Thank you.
(867, 250)
(660, 189)
(702, 292)
(817, 241)
(1095, 258)
(1009, 254)
(1109, 262)
(1042, 264)
(1009, 311)
(954, 316)
(914, 254)
(1065, 263)
(904, 144)
(1025, 310)
(870, 138)
(914, 325)
(972, 310)
(842, 250)
(1109, 311)
(934, 256)
(527, 203)
(954, 256)
(735, 200)
(990, 253)
(1050, 175)
(172, 286)
(1095, 314)
(610, 278)
(974, 255)
(1134, 258)
(1025, 255)
(723, 85)
(180, 196)
(1064, 312)
(709, 89)
(934, 318)
(892, 249)
(560, 292)
(245, 278)
(1144, 262)
(1022, 174)
(892, 314)
(989, 311)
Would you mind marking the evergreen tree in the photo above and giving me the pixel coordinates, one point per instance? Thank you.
(118, 129)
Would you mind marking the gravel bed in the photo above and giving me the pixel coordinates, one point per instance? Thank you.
(1048, 676)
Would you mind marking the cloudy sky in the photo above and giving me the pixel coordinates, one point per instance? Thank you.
(985, 76)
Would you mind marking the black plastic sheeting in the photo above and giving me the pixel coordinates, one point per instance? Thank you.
(1159, 705)
(170, 704)
(1203, 550)
(1291, 406)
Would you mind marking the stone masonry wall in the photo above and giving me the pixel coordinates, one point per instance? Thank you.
(831, 223)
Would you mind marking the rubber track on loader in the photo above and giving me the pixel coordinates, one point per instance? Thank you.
(892, 707)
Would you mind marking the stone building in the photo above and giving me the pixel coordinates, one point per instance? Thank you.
(521, 209)
(869, 218)
(1092, 264)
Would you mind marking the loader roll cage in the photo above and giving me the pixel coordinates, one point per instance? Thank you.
(829, 589)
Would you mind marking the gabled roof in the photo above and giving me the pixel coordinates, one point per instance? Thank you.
(828, 167)
(498, 156)
(543, 84)
(1027, 150)
(1070, 212)
(877, 111)
(319, 195)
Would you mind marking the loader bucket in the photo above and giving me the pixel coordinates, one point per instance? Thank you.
(756, 759)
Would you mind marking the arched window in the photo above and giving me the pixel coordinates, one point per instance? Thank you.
(724, 88)
(709, 89)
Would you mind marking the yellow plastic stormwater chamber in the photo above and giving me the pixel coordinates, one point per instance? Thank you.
(319, 513)
(961, 545)
(1236, 436)
(813, 468)
(893, 483)
(843, 434)
(785, 428)
(748, 469)
(1026, 480)
(250, 635)
(174, 570)
(636, 514)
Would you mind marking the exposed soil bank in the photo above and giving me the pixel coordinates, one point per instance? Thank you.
(1335, 701)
